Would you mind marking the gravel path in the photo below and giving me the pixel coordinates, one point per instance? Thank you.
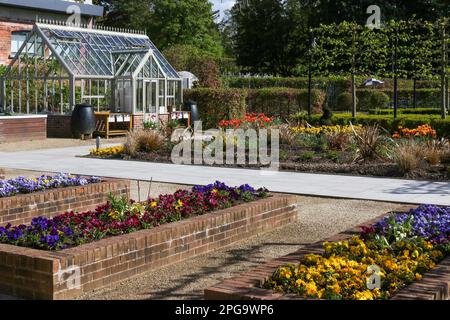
(319, 218)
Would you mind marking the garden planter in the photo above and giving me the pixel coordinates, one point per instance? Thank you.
(68, 273)
(83, 120)
(23, 128)
(23, 208)
(435, 285)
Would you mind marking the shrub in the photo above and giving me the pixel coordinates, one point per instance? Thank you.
(189, 58)
(441, 126)
(426, 111)
(216, 105)
(371, 99)
(143, 141)
(344, 102)
(282, 102)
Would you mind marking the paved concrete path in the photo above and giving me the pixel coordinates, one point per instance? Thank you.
(367, 188)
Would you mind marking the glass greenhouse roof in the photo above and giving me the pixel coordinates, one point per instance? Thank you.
(92, 52)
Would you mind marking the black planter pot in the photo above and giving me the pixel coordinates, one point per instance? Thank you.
(193, 108)
(83, 120)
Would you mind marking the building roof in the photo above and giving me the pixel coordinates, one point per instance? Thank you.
(58, 6)
(88, 52)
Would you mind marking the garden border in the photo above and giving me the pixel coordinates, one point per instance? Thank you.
(22, 208)
(65, 274)
(435, 284)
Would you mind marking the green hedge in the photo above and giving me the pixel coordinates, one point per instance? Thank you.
(215, 105)
(218, 104)
(318, 82)
(385, 112)
(282, 102)
(389, 123)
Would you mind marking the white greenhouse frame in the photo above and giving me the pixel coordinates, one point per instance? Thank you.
(59, 66)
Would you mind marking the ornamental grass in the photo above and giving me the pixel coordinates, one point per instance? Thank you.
(403, 247)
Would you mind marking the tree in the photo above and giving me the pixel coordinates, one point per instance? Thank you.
(263, 36)
(168, 22)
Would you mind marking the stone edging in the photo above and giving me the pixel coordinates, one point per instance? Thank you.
(435, 285)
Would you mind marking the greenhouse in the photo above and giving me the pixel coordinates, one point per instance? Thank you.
(59, 66)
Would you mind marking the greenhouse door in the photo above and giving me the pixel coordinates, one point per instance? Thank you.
(151, 89)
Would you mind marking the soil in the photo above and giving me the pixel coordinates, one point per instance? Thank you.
(327, 162)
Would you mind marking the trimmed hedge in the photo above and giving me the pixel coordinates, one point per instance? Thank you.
(282, 102)
(219, 104)
(319, 82)
(433, 111)
(411, 121)
(215, 105)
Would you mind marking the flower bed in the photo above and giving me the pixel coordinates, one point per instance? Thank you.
(109, 152)
(403, 247)
(22, 185)
(251, 120)
(66, 273)
(121, 216)
(24, 199)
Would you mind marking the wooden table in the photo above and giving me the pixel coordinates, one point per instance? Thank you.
(113, 124)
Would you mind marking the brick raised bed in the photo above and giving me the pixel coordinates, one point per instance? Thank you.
(23, 128)
(39, 274)
(24, 207)
(435, 285)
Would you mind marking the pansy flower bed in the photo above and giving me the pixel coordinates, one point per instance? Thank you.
(121, 216)
(402, 246)
(22, 185)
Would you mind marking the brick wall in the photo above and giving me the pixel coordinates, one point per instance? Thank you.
(435, 285)
(23, 208)
(6, 28)
(34, 274)
(58, 126)
(138, 121)
(23, 129)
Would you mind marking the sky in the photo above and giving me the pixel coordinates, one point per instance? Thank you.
(222, 5)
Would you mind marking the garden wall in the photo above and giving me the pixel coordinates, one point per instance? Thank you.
(58, 126)
(435, 285)
(21, 209)
(66, 274)
(23, 128)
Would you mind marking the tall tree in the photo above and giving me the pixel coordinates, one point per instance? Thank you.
(168, 22)
(264, 36)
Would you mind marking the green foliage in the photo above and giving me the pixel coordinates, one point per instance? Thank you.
(266, 35)
(218, 104)
(441, 126)
(168, 22)
(201, 63)
(282, 102)
(371, 99)
(344, 101)
(425, 111)
(348, 47)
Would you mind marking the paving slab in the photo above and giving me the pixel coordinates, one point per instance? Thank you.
(323, 185)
